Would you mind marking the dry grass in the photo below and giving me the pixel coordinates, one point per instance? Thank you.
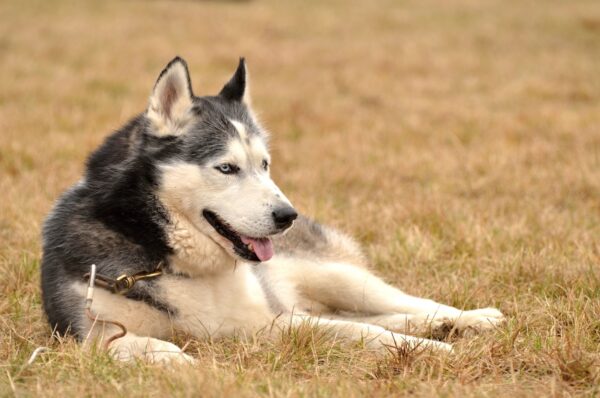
(458, 140)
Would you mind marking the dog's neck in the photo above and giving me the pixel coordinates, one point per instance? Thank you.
(195, 254)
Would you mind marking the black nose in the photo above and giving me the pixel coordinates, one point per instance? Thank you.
(284, 216)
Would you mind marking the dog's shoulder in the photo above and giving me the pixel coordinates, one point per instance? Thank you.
(309, 238)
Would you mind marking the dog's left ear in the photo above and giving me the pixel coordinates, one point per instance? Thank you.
(171, 99)
(237, 87)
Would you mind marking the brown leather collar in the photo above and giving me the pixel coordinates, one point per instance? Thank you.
(123, 283)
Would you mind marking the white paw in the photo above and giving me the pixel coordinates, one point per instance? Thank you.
(481, 319)
(163, 352)
(150, 350)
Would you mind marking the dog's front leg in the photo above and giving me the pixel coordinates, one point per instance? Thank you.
(131, 347)
(149, 349)
(140, 321)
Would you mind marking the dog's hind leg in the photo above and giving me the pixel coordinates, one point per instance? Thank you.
(345, 287)
(401, 323)
(373, 336)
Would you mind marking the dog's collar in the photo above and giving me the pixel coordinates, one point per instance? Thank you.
(124, 283)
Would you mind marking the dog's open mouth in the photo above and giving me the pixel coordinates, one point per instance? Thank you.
(252, 249)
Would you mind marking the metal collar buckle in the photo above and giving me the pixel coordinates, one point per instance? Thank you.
(124, 283)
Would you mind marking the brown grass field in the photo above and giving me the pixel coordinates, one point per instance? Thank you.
(459, 141)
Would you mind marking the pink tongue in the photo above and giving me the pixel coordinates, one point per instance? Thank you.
(263, 248)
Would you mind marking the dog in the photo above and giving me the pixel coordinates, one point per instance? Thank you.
(189, 233)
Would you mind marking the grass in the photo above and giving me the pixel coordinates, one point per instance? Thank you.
(457, 140)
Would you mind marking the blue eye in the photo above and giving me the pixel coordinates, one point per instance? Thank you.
(227, 168)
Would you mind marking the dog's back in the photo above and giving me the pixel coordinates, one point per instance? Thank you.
(110, 219)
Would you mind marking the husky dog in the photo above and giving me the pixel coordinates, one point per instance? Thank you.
(186, 184)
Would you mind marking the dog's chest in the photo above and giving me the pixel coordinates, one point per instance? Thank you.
(217, 304)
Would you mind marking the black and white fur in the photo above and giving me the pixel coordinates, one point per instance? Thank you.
(187, 183)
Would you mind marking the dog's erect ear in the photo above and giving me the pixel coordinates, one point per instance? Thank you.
(236, 88)
(171, 99)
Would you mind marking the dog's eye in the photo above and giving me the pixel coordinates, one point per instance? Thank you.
(227, 168)
(265, 165)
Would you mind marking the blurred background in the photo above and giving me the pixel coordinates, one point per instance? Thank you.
(457, 140)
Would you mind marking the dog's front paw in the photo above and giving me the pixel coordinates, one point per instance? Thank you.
(480, 319)
(148, 349)
(163, 352)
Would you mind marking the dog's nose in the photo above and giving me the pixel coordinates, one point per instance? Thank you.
(284, 216)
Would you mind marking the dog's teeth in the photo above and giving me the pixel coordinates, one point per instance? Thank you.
(250, 247)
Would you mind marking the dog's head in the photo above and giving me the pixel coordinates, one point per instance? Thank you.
(214, 164)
